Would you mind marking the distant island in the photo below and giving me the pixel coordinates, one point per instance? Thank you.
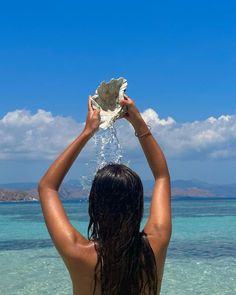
(74, 190)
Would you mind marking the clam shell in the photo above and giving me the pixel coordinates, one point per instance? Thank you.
(107, 97)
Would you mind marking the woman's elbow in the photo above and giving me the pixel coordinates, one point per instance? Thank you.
(42, 184)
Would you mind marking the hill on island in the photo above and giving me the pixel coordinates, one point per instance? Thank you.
(74, 189)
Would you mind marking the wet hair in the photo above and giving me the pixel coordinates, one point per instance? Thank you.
(126, 263)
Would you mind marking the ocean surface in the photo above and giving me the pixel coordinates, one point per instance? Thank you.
(201, 258)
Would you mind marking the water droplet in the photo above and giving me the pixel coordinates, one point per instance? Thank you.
(108, 150)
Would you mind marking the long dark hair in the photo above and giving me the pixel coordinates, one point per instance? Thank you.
(126, 263)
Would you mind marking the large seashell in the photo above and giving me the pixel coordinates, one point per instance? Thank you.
(107, 97)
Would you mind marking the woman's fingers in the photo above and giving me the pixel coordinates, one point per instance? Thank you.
(97, 112)
(90, 108)
(127, 100)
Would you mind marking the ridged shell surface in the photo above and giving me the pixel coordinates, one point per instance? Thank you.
(107, 97)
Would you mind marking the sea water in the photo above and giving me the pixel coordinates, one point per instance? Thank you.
(201, 259)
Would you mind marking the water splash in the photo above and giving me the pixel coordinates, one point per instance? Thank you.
(108, 150)
(86, 180)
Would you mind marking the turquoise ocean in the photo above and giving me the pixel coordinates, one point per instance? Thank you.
(201, 258)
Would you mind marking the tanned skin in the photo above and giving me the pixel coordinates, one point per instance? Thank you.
(77, 252)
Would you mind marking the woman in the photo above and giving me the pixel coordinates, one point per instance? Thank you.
(116, 258)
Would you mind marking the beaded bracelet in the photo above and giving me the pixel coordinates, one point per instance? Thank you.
(145, 133)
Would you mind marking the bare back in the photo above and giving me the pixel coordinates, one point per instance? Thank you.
(83, 260)
(78, 253)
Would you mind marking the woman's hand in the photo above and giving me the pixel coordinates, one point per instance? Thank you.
(133, 115)
(92, 120)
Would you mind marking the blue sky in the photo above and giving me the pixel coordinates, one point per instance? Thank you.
(178, 56)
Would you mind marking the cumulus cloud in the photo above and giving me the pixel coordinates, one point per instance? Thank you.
(35, 136)
(212, 138)
(42, 136)
(151, 117)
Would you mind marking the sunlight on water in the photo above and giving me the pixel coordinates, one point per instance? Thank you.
(201, 258)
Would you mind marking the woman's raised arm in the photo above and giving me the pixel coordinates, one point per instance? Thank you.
(159, 221)
(63, 234)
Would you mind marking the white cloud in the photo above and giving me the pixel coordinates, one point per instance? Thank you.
(151, 117)
(35, 136)
(43, 136)
(211, 138)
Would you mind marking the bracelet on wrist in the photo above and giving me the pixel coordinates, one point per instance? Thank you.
(148, 132)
